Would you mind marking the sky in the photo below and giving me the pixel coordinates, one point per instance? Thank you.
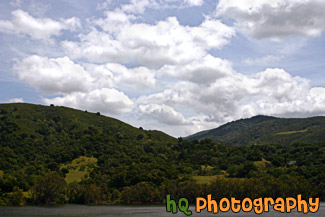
(179, 66)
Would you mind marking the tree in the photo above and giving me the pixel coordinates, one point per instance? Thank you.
(50, 189)
(76, 193)
(17, 196)
(93, 194)
(145, 192)
(115, 196)
(126, 195)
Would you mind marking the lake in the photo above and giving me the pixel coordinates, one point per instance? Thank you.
(123, 211)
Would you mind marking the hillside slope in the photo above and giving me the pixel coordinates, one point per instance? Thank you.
(89, 158)
(44, 137)
(267, 130)
(39, 121)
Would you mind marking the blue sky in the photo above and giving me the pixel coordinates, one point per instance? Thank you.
(176, 66)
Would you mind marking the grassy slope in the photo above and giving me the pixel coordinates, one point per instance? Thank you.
(267, 130)
(205, 179)
(29, 118)
(79, 168)
(262, 163)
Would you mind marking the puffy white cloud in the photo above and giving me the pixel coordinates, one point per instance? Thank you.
(87, 86)
(114, 21)
(318, 94)
(166, 42)
(53, 75)
(37, 28)
(106, 100)
(178, 94)
(279, 85)
(203, 71)
(97, 47)
(113, 74)
(164, 114)
(63, 76)
(166, 118)
(101, 76)
(275, 18)
(139, 77)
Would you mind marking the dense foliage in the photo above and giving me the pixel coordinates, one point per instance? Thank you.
(267, 130)
(41, 149)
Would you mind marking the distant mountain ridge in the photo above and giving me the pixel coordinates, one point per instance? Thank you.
(266, 130)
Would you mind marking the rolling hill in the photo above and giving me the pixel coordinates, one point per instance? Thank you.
(267, 130)
(39, 121)
(35, 139)
(89, 158)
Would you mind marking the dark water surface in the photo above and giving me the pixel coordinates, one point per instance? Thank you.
(134, 211)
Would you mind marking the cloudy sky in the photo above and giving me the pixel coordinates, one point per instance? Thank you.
(180, 66)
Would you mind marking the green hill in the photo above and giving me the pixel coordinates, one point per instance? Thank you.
(35, 139)
(51, 154)
(39, 121)
(267, 130)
